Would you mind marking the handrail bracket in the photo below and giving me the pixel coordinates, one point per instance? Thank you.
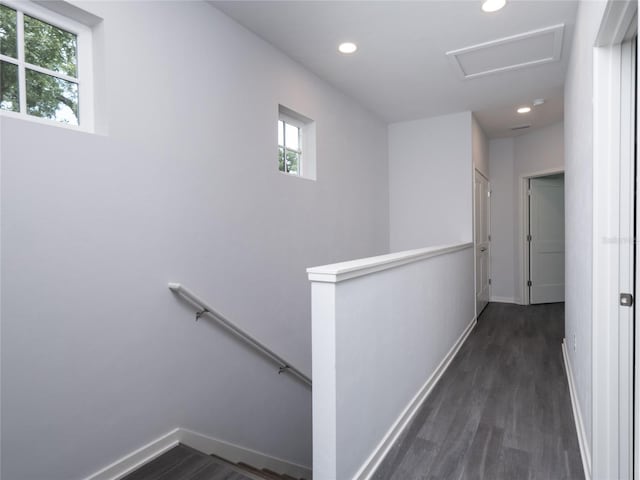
(206, 309)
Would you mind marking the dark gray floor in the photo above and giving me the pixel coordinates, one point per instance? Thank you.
(502, 409)
(184, 463)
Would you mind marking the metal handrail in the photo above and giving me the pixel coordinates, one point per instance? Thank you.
(206, 309)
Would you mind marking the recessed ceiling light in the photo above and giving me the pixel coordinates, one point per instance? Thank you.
(493, 5)
(538, 101)
(347, 47)
(524, 109)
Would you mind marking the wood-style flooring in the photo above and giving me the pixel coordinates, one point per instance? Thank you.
(502, 409)
(184, 463)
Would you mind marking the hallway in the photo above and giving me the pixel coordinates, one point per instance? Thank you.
(501, 410)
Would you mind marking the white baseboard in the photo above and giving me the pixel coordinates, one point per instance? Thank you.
(136, 459)
(577, 414)
(371, 464)
(209, 445)
(503, 299)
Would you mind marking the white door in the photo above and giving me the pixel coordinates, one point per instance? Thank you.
(481, 240)
(546, 240)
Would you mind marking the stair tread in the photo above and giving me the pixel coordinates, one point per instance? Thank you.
(271, 475)
(185, 463)
(266, 473)
(255, 471)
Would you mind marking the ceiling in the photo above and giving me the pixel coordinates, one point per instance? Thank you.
(401, 70)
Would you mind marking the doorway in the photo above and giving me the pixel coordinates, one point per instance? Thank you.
(545, 239)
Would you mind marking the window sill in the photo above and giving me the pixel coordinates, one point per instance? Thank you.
(302, 177)
(45, 121)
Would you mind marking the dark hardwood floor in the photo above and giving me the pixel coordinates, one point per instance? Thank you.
(184, 463)
(502, 409)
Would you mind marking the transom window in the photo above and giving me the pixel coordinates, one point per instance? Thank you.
(43, 72)
(289, 147)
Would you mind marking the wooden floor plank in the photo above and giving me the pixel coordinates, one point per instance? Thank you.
(184, 463)
(501, 410)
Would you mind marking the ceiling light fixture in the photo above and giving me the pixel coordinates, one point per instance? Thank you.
(347, 47)
(524, 109)
(493, 5)
(538, 101)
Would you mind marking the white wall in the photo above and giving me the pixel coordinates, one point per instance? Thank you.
(378, 339)
(503, 218)
(579, 203)
(480, 148)
(511, 160)
(98, 357)
(430, 181)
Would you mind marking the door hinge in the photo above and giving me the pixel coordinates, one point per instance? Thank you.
(626, 299)
(489, 237)
(488, 193)
(489, 281)
(529, 283)
(529, 192)
(528, 238)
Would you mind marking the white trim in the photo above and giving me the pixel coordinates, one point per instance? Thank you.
(473, 236)
(7, 59)
(22, 75)
(616, 21)
(338, 272)
(556, 30)
(585, 454)
(51, 73)
(606, 146)
(390, 438)
(495, 298)
(139, 457)
(42, 121)
(47, 15)
(611, 446)
(209, 445)
(523, 212)
(626, 181)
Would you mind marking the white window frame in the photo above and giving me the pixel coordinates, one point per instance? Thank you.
(84, 59)
(306, 142)
(285, 119)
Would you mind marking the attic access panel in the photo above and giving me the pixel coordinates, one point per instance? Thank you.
(536, 47)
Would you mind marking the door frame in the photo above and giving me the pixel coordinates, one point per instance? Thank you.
(475, 247)
(527, 224)
(523, 245)
(612, 447)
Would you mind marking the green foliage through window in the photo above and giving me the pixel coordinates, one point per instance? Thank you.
(289, 152)
(9, 98)
(52, 97)
(49, 47)
(8, 36)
